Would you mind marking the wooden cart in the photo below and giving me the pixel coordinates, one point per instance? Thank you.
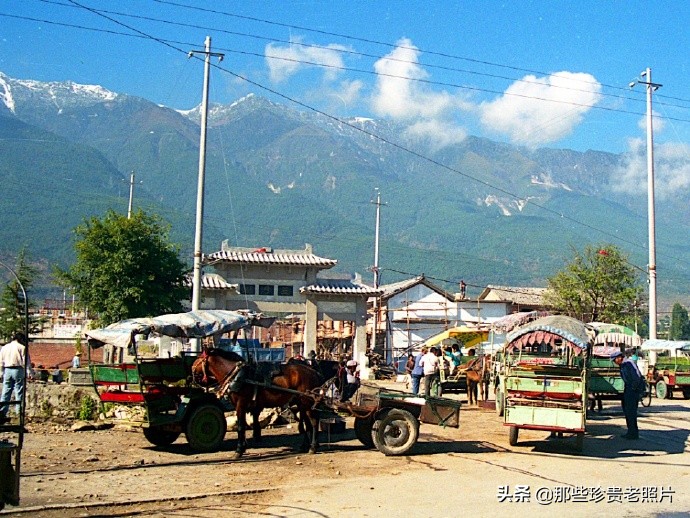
(545, 378)
(389, 419)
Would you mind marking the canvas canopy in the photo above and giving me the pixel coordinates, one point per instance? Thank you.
(193, 324)
(509, 322)
(665, 345)
(615, 334)
(466, 336)
(549, 330)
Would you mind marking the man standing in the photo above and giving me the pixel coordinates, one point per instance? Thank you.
(13, 360)
(417, 371)
(634, 385)
(76, 361)
(430, 363)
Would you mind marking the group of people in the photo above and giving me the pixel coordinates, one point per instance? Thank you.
(424, 369)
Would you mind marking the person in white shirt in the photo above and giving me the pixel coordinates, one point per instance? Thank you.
(13, 359)
(76, 361)
(430, 363)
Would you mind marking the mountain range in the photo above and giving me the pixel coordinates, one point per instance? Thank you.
(479, 210)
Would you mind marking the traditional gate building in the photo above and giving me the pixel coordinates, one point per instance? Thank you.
(287, 284)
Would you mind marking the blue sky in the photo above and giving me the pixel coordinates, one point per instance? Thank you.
(535, 73)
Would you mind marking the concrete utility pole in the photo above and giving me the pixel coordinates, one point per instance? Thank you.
(651, 87)
(376, 270)
(131, 195)
(196, 278)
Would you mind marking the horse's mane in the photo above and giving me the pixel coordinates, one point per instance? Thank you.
(228, 355)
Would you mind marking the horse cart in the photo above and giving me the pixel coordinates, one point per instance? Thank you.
(545, 377)
(389, 419)
(161, 388)
(605, 382)
(671, 370)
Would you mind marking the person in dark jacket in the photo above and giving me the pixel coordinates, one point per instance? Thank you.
(634, 385)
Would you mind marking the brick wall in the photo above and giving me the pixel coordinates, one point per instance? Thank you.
(52, 353)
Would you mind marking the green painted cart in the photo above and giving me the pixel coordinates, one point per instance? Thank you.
(545, 378)
(170, 403)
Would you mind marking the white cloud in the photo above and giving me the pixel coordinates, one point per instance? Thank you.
(429, 114)
(285, 61)
(671, 170)
(398, 97)
(536, 111)
(658, 123)
(436, 133)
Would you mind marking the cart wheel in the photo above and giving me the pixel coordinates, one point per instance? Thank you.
(160, 437)
(513, 435)
(646, 398)
(580, 441)
(363, 431)
(396, 432)
(661, 389)
(686, 393)
(206, 428)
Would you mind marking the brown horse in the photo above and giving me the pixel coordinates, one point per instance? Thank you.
(291, 383)
(478, 373)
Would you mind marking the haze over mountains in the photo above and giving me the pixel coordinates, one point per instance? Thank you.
(478, 210)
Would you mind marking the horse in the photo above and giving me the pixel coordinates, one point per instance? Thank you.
(478, 373)
(290, 383)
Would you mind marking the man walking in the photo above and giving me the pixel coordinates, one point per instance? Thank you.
(417, 372)
(13, 360)
(634, 386)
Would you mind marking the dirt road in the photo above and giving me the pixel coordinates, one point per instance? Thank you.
(116, 473)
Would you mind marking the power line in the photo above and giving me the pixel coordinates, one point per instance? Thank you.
(373, 135)
(363, 54)
(376, 42)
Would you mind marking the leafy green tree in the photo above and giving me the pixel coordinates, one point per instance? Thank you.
(680, 323)
(125, 268)
(12, 315)
(599, 284)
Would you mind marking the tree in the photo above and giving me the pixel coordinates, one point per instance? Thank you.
(125, 268)
(12, 315)
(680, 324)
(598, 285)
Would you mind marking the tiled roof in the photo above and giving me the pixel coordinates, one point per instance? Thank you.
(212, 281)
(389, 290)
(259, 257)
(340, 287)
(516, 294)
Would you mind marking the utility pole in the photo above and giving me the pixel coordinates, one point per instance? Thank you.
(651, 87)
(196, 280)
(376, 271)
(131, 195)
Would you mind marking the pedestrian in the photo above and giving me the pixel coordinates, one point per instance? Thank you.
(13, 359)
(632, 391)
(351, 380)
(417, 372)
(409, 367)
(76, 361)
(430, 363)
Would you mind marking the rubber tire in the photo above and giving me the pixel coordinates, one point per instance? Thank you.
(661, 389)
(580, 441)
(364, 431)
(160, 437)
(206, 428)
(513, 435)
(686, 393)
(500, 403)
(396, 433)
(646, 398)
